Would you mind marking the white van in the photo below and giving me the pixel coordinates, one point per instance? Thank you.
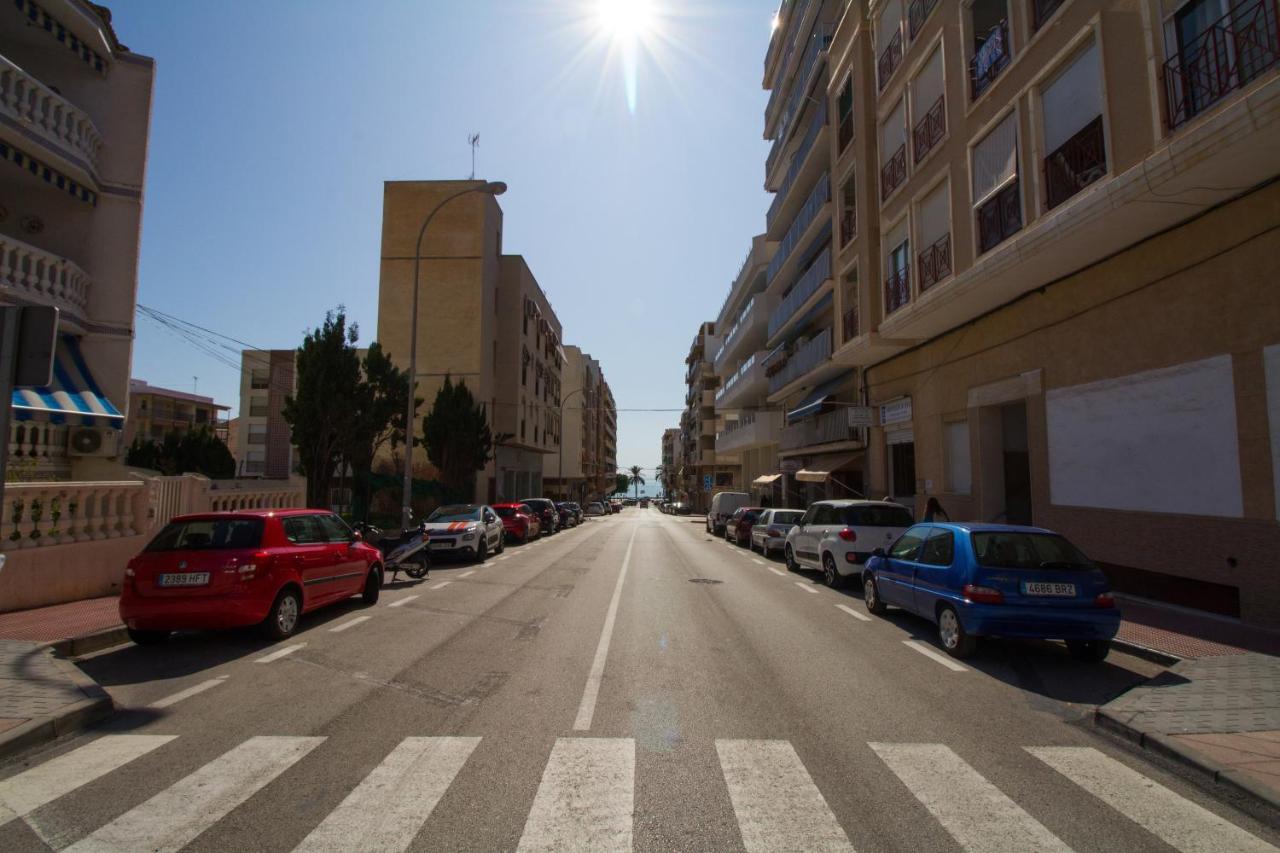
(722, 506)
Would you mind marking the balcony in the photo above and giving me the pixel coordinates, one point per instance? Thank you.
(819, 41)
(753, 429)
(746, 384)
(897, 290)
(850, 323)
(990, 59)
(935, 262)
(999, 218)
(894, 172)
(39, 276)
(1227, 55)
(848, 224)
(748, 331)
(929, 130)
(807, 285)
(918, 12)
(824, 429)
(39, 109)
(890, 59)
(813, 205)
(802, 361)
(708, 397)
(798, 162)
(1080, 161)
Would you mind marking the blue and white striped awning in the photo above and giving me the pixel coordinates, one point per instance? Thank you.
(73, 398)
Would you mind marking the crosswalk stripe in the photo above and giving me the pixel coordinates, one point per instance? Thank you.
(387, 809)
(976, 813)
(586, 797)
(174, 817)
(776, 803)
(916, 646)
(175, 698)
(31, 789)
(285, 652)
(1175, 820)
(861, 617)
(401, 602)
(350, 623)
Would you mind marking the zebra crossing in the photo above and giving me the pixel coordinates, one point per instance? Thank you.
(586, 796)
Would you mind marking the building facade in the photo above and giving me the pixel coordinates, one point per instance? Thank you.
(75, 109)
(702, 470)
(155, 412)
(582, 468)
(671, 454)
(263, 441)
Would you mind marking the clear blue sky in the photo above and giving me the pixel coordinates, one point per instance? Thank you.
(274, 125)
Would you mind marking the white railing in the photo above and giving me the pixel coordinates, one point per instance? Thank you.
(253, 498)
(43, 277)
(36, 515)
(42, 110)
(804, 360)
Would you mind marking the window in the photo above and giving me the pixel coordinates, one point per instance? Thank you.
(851, 304)
(928, 107)
(334, 528)
(1215, 47)
(991, 50)
(257, 433)
(998, 206)
(1013, 550)
(917, 13)
(844, 108)
(893, 151)
(848, 210)
(889, 41)
(1072, 108)
(955, 437)
(201, 534)
(257, 407)
(939, 549)
(933, 217)
(908, 544)
(878, 516)
(259, 378)
(303, 530)
(897, 282)
(825, 515)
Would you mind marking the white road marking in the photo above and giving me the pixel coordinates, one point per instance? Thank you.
(934, 655)
(976, 813)
(586, 797)
(862, 617)
(778, 572)
(1175, 820)
(31, 789)
(467, 574)
(287, 650)
(387, 809)
(587, 707)
(350, 623)
(401, 602)
(174, 817)
(807, 587)
(776, 803)
(441, 585)
(757, 562)
(188, 693)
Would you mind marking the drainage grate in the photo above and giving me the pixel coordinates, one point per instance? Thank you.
(704, 580)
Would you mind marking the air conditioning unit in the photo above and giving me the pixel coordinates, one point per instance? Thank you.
(91, 441)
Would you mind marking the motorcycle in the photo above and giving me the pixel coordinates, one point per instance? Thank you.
(408, 551)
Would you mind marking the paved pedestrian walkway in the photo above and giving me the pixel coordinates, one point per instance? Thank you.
(61, 621)
(41, 696)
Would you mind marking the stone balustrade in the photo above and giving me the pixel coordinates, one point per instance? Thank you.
(44, 277)
(48, 114)
(38, 515)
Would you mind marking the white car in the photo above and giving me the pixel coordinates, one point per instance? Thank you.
(594, 508)
(465, 530)
(837, 537)
(771, 528)
(722, 506)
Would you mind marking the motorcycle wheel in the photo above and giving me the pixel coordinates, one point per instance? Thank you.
(415, 570)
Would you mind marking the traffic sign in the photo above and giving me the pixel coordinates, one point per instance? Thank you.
(706, 482)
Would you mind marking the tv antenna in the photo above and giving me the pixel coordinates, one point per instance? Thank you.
(474, 141)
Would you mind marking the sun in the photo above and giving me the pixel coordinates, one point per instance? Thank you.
(625, 19)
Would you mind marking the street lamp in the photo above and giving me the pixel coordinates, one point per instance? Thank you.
(494, 188)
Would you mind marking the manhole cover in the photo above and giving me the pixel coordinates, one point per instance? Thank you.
(704, 580)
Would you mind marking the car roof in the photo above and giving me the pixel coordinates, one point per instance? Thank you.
(987, 527)
(513, 504)
(247, 513)
(843, 502)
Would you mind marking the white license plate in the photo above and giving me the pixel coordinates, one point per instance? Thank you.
(438, 546)
(1041, 588)
(188, 579)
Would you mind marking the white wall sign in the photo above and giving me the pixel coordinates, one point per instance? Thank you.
(896, 411)
(860, 416)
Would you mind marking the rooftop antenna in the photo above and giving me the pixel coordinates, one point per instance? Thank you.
(474, 141)
(195, 384)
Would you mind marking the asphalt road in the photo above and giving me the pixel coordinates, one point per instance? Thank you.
(631, 683)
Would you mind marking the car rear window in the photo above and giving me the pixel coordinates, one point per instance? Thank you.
(505, 511)
(1019, 550)
(455, 513)
(877, 516)
(208, 534)
(751, 516)
(789, 517)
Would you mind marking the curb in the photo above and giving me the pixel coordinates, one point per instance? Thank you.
(1170, 748)
(89, 643)
(96, 706)
(1146, 653)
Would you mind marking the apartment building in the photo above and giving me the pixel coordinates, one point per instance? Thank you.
(582, 469)
(608, 464)
(482, 320)
(263, 441)
(671, 454)
(1054, 238)
(155, 412)
(75, 110)
(702, 469)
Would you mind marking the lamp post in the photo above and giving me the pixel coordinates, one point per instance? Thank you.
(494, 188)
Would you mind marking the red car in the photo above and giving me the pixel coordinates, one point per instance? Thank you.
(738, 528)
(519, 520)
(256, 567)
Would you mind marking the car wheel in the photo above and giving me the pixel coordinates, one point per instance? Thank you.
(282, 619)
(147, 638)
(792, 565)
(871, 595)
(502, 544)
(830, 574)
(372, 586)
(482, 551)
(951, 633)
(1092, 651)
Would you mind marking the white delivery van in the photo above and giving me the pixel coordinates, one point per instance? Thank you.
(722, 506)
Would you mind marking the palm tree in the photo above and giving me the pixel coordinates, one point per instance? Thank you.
(660, 476)
(636, 479)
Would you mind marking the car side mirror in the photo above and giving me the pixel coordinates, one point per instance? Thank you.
(878, 552)
(357, 536)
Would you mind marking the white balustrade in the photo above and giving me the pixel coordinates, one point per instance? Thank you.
(43, 277)
(50, 115)
(36, 515)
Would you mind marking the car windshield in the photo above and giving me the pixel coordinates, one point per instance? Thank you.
(877, 515)
(1021, 550)
(505, 511)
(786, 516)
(461, 512)
(208, 534)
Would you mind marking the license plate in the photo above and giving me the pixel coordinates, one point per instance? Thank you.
(1041, 588)
(437, 546)
(188, 579)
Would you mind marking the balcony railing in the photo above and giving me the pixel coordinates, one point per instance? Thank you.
(929, 130)
(1080, 161)
(935, 262)
(890, 59)
(897, 289)
(845, 132)
(851, 323)
(991, 58)
(43, 277)
(804, 288)
(820, 195)
(893, 172)
(848, 223)
(38, 108)
(824, 429)
(743, 316)
(816, 124)
(1042, 10)
(999, 218)
(819, 41)
(1229, 53)
(803, 361)
(917, 13)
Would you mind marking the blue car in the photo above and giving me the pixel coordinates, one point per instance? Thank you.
(979, 580)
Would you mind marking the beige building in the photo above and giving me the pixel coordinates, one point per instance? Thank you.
(672, 454)
(263, 442)
(75, 109)
(1053, 238)
(482, 320)
(582, 468)
(702, 470)
(155, 412)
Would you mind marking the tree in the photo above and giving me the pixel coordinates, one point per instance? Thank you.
(196, 451)
(380, 397)
(636, 479)
(621, 482)
(459, 441)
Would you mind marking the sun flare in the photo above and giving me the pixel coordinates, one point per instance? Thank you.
(625, 19)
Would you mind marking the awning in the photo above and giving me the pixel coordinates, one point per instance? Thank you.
(811, 404)
(765, 479)
(73, 398)
(822, 468)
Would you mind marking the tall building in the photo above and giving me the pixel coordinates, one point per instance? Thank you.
(671, 453)
(75, 111)
(155, 412)
(576, 471)
(1054, 299)
(263, 445)
(482, 320)
(702, 470)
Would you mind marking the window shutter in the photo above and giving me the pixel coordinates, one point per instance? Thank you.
(892, 133)
(1072, 100)
(927, 87)
(897, 237)
(935, 215)
(995, 159)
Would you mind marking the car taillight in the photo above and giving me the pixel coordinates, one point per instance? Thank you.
(983, 594)
(1104, 600)
(775, 532)
(848, 535)
(129, 570)
(260, 560)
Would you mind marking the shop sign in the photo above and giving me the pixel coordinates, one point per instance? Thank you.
(860, 416)
(895, 412)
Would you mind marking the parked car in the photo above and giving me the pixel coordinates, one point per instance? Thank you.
(616, 505)
(769, 533)
(519, 521)
(577, 510)
(644, 503)
(548, 515)
(568, 518)
(232, 569)
(738, 528)
(722, 506)
(681, 508)
(595, 508)
(976, 580)
(837, 537)
(473, 531)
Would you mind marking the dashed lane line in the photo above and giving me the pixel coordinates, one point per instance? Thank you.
(401, 602)
(806, 587)
(350, 623)
(276, 655)
(777, 572)
(188, 693)
(934, 655)
(467, 574)
(441, 585)
(861, 617)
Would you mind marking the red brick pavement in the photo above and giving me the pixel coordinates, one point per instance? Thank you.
(61, 621)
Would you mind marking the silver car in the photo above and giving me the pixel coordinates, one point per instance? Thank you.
(770, 530)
